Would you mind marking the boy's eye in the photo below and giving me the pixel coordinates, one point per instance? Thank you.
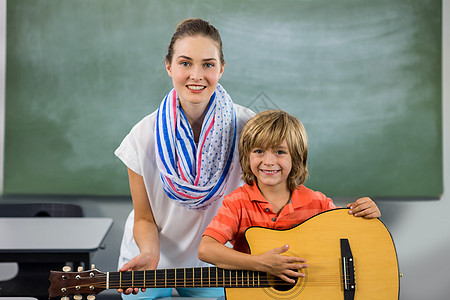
(258, 151)
(281, 152)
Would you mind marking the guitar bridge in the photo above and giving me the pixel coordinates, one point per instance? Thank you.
(348, 270)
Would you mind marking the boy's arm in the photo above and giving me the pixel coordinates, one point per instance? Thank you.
(272, 262)
(364, 207)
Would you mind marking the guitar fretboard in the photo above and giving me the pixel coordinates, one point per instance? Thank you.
(187, 277)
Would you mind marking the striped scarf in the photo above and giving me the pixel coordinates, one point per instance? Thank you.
(195, 175)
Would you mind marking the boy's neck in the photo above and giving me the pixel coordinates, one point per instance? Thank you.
(277, 196)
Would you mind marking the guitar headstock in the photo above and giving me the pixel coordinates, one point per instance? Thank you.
(66, 283)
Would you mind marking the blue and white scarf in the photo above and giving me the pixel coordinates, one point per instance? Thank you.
(195, 175)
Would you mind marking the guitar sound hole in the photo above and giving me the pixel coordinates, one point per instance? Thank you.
(284, 286)
(279, 284)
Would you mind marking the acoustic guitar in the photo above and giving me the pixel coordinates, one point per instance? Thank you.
(349, 259)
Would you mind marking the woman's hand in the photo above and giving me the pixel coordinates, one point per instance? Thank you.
(144, 261)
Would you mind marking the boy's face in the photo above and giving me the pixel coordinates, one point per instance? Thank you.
(271, 166)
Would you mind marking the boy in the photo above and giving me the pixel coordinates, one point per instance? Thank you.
(272, 152)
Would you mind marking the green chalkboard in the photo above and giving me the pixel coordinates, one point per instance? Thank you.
(363, 76)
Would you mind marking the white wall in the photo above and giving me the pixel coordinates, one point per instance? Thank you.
(421, 229)
(2, 83)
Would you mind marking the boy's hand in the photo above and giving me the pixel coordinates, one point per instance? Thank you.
(283, 266)
(364, 207)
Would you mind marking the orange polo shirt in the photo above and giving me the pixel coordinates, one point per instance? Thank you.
(246, 207)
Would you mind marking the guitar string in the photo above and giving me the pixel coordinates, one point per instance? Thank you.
(161, 282)
(223, 281)
(247, 280)
(224, 278)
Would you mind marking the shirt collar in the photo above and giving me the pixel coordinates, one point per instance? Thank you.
(300, 197)
(254, 193)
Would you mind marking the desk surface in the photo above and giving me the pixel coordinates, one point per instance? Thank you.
(52, 234)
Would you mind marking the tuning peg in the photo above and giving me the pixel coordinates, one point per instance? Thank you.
(92, 266)
(65, 298)
(77, 297)
(90, 297)
(80, 269)
(67, 269)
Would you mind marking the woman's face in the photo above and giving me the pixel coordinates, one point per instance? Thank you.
(195, 69)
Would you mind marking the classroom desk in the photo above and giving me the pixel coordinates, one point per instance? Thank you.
(39, 245)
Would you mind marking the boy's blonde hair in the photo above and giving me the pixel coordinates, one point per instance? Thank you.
(268, 129)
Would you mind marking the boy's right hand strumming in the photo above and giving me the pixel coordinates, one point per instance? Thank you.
(283, 266)
(272, 262)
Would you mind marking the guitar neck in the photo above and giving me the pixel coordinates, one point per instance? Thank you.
(186, 277)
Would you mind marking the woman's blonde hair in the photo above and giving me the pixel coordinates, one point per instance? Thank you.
(268, 129)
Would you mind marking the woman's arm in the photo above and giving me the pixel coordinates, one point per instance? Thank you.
(145, 230)
(272, 262)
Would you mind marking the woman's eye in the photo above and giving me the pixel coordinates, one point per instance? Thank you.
(184, 63)
(209, 65)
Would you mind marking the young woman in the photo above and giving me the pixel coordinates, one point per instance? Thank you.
(181, 160)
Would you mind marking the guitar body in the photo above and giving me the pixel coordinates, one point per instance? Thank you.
(318, 240)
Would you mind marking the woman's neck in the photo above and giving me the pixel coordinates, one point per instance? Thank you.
(195, 114)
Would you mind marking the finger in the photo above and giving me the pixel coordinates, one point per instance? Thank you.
(294, 273)
(298, 266)
(367, 208)
(370, 212)
(361, 201)
(125, 267)
(287, 279)
(361, 206)
(359, 210)
(293, 260)
(128, 291)
(375, 213)
(123, 291)
(282, 249)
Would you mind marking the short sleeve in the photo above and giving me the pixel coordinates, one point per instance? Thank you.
(225, 225)
(127, 152)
